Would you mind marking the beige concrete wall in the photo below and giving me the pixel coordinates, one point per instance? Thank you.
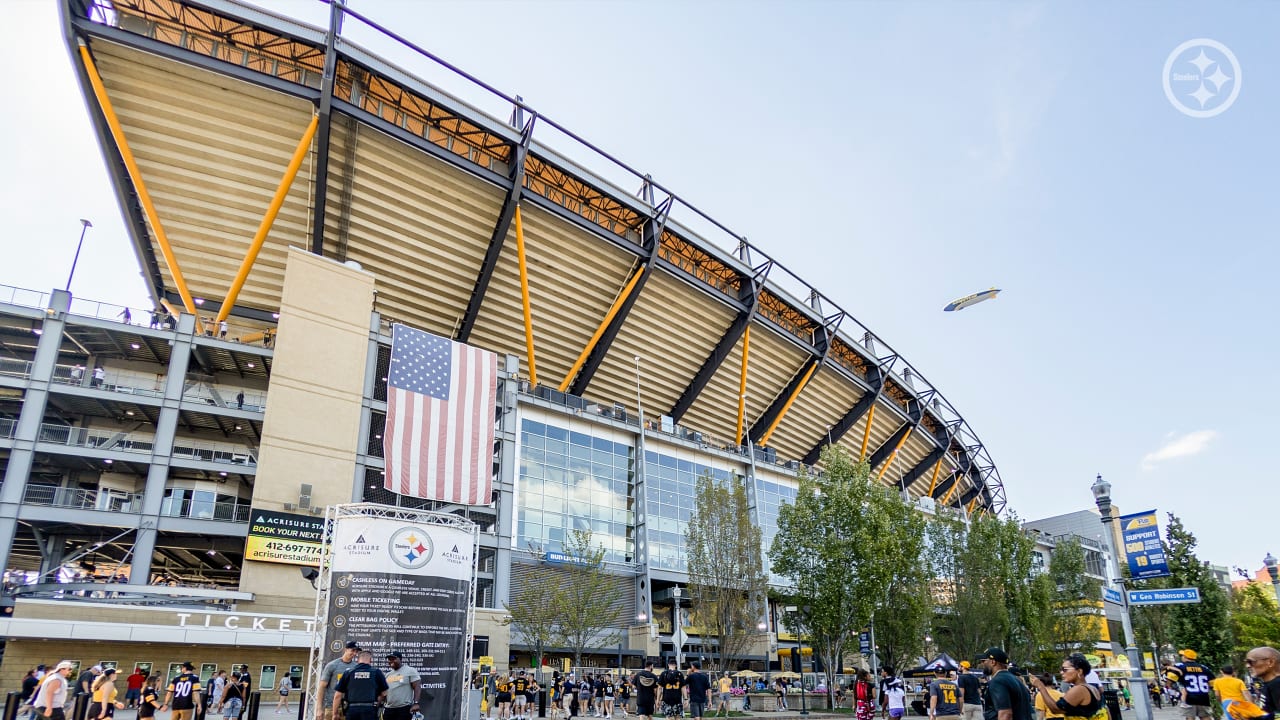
(313, 408)
(23, 655)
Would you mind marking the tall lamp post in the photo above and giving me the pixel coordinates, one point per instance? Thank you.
(1137, 684)
(85, 225)
(1274, 571)
(804, 707)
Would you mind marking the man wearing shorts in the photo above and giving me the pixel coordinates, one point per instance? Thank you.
(699, 689)
(672, 683)
(646, 684)
(520, 694)
(726, 694)
(183, 695)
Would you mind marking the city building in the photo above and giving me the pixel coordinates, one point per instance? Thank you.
(141, 458)
(1086, 527)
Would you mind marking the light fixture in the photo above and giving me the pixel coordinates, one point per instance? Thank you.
(237, 427)
(129, 413)
(275, 316)
(211, 552)
(135, 346)
(377, 437)
(226, 567)
(641, 617)
(108, 461)
(222, 474)
(38, 331)
(200, 301)
(250, 364)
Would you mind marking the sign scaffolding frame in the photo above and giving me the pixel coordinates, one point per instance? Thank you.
(319, 654)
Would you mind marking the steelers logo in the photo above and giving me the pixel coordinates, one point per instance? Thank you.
(410, 548)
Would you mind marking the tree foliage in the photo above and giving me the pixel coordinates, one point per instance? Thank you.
(586, 603)
(1203, 626)
(1255, 618)
(984, 587)
(534, 612)
(726, 570)
(1074, 623)
(840, 545)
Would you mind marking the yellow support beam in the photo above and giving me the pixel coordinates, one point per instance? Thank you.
(972, 502)
(894, 455)
(937, 468)
(764, 439)
(866, 432)
(524, 298)
(591, 344)
(144, 197)
(264, 227)
(742, 384)
(954, 485)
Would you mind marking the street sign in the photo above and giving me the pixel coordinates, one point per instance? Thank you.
(679, 638)
(1112, 595)
(1171, 596)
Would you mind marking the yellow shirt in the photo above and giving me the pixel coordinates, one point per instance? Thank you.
(725, 685)
(1228, 687)
(1050, 711)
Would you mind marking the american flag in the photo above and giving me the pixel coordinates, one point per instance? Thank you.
(438, 442)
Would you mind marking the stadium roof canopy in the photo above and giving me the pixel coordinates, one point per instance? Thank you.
(203, 108)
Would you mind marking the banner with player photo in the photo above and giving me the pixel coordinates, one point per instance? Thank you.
(401, 580)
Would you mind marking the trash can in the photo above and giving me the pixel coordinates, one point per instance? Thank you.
(12, 702)
(1112, 700)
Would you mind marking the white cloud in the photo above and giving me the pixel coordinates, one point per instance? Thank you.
(1179, 446)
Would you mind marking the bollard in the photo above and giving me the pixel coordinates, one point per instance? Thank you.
(1112, 700)
(11, 705)
(84, 701)
(302, 704)
(251, 705)
(542, 703)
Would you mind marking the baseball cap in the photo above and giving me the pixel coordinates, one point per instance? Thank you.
(353, 645)
(964, 664)
(1188, 654)
(996, 654)
(395, 654)
(65, 665)
(98, 668)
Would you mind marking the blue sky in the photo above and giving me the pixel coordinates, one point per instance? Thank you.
(896, 156)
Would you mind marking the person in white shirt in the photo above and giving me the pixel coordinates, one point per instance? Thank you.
(52, 695)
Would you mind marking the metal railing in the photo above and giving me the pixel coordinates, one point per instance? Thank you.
(183, 448)
(13, 367)
(196, 510)
(127, 382)
(221, 396)
(8, 427)
(110, 500)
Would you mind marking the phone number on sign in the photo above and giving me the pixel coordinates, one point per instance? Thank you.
(293, 548)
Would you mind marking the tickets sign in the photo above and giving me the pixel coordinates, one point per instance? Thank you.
(285, 538)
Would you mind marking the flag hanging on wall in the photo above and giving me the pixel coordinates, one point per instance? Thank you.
(438, 441)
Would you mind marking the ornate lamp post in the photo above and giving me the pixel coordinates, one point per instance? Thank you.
(804, 707)
(1274, 571)
(1137, 684)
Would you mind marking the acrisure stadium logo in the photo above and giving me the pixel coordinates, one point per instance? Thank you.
(411, 548)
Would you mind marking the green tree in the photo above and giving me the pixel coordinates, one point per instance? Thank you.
(587, 603)
(534, 611)
(1204, 626)
(902, 618)
(1075, 624)
(840, 544)
(984, 585)
(726, 569)
(1255, 619)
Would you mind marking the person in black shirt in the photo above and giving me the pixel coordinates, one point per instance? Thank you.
(1082, 699)
(364, 687)
(29, 685)
(150, 697)
(672, 683)
(646, 684)
(1264, 663)
(84, 684)
(971, 693)
(183, 693)
(699, 684)
(1007, 698)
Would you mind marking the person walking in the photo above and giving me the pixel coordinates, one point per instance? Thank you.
(84, 683)
(183, 695)
(1082, 699)
(125, 316)
(1048, 710)
(1229, 689)
(233, 697)
(1194, 692)
(725, 694)
(51, 697)
(286, 685)
(149, 698)
(1264, 663)
(104, 696)
(646, 684)
(363, 688)
(403, 687)
(944, 697)
(99, 375)
(780, 691)
(970, 693)
(699, 685)
(133, 687)
(30, 683)
(1007, 697)
(672, 682)
(895, 696)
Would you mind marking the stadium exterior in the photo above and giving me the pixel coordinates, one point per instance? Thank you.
(308, 193)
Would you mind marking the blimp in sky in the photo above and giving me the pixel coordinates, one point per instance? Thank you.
(973, 299)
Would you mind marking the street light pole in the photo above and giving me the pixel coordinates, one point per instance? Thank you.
(804, 706)
(1137, 683)
(85, 225)
(1274, 572)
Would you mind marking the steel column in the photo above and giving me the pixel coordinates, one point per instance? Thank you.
(865, 404)
(515, 191)
(325, 112)
(764, 425)
(751, 296)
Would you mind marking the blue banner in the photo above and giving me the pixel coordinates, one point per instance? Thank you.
(864, 642)
(1141, 537)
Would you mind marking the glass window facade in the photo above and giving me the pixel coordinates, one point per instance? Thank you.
(770, 496)
(570, 480)
(669, 491)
